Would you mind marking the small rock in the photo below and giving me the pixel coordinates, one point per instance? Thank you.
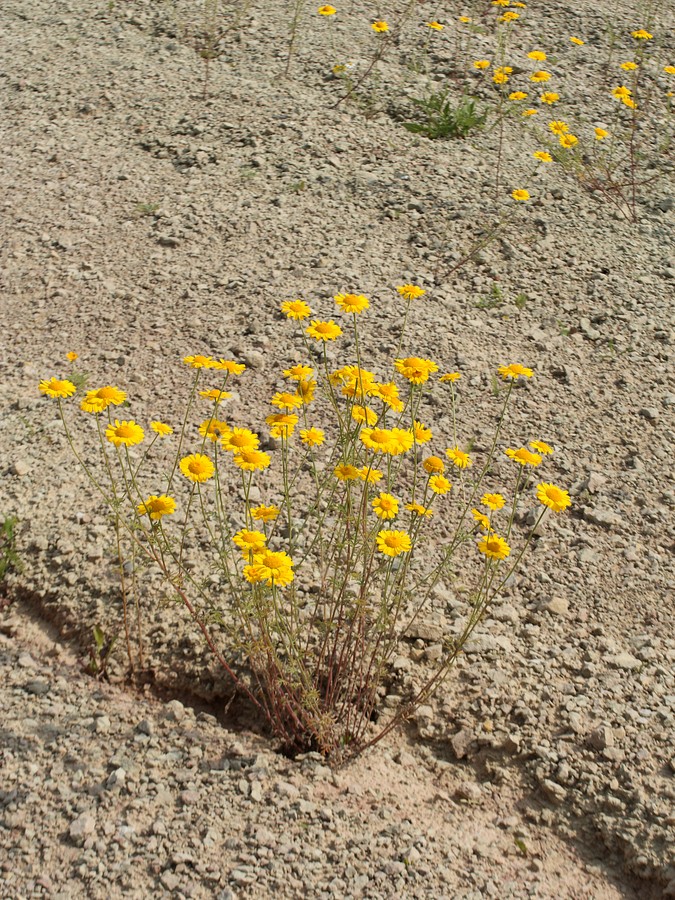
(650, 413)
(601, 737)
(624, 661)
(19, 467)
(116, 779)
(37, 687)
(461, 742)
(286, 789)
(145, 726)
(594, 482)
(468, 791)
(554, 792)
(603, 517)
(26, 661)
(557, 606)
(102, 725)
(175, 711)
(169, 879)
(81, 828)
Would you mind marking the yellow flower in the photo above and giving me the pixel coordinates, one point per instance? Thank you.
(543, 156)
(509, 17)
(282, 425)
(493, 501)
(372, 476)
(380, 27)
(103, 398)
(72, 356)
(559, 128)
(275, 568)
(239, 439)
(415, 369)
(530, 112)
(419, 509)
(393, 543)
(554, 497)
(500, 78)
(161, 428)
(550, 97)
(346, 472)
(439, 484)
(213, 429)
(537, 55)
(198, 361)
(249, 542)
(126, 433)
(513, 371)
(352, 303)
(481, 518)
(520, 194)
(363, 415)
(305, 391)
(567, 141)
(465, 20)
(401, 441)
(385, 506)
(641, 35)
(410, 291)
(57, 388)
(517, 95)
(523, 456)
(621, 92)
(450, 377)
(629, 102)
(312, 437)
(265, 513)
(379, 440)
(197, 467)
(459, 458)
(577, 41)
(501, 2)
(422, 434)
(326, 10)
(481, 64)
(299, 372)
(228, 365)
(388, 394)
(323, 331)
(286, 400)
(296, 309)
(600, 134)
(215, 394)
(435, 25)
(434, 465)
(251, 460)
(493, 546)
(541, 447)
(156, 507)
(628, 66)
(669, 70)
(540, 77)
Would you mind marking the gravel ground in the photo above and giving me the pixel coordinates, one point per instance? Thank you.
(140, 223)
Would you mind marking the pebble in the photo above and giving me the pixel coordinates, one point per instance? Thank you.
(557, 606)
(624, 661)
(20, 467)
(81, 827)
(601, 737)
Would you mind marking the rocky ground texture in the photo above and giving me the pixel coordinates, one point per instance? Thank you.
(140, 223)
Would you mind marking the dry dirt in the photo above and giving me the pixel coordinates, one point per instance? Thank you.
(141, 223)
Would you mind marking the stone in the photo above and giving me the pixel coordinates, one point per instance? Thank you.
(605, 517)
(624, 661)
(175, 711)
(557, 606)
(554, 792)
(37, 687)
(461, 742)
(102, 725)
(117, 779)
(468, 791)
(81, 827)
(20, 467)
(593, 482)
(169, 879)
(601, 737)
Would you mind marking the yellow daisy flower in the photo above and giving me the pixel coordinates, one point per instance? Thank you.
(296, 309)
(323, 331)
(393, 543)
(385, 506)
(494, 547)
(459, 458)
(197, 467)
(156, 507)
(554, 497)
(126, 433)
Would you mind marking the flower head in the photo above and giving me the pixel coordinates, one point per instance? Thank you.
(436, 26)
(312, 437)
(215, 394)
(71, 356)
(465, 20)
(481, 518)
(156, 507)
(621, 92)
(628, 66)
(558, 127)
(265, 513)
(380, 27)
(641, 35)
(500, 77)
(379, 440)
(296, 309)
(401, 441)
(669, 70)
(530, 112)
(125, 433)
(493, 501)
(541, 447)
(450, 377)
(422, 434)
(481, 64)
(198, 362)
(439, 484)
(518, 95)
(213, 429)
(415, 369)
(419, 510)
(276, 568)
(520, 194)
(100, 399)
(393, 543)
(352, 303)
(298, 373)
(434, 465)
(363, 415)
(410, 291)
(372, 476)
(323, 331)
(346, 472)
(554, 497)
(509, 17)
(228, 365)
(577, 41)
(523, 456)
(286, 400)
(387, 393)
(326, 10)
(537, 55)
(57, 388)
(540, 76)
(600, 134)
(550, 97)
(238, 439)
(459, 458)
(567, 141)
(161, 428)
(249, 542)
(305, 391)
(282, 425)
(197, 467)
(514, 371)
(493, 546)
(251, 460)
(542, 156)
(385, 506)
